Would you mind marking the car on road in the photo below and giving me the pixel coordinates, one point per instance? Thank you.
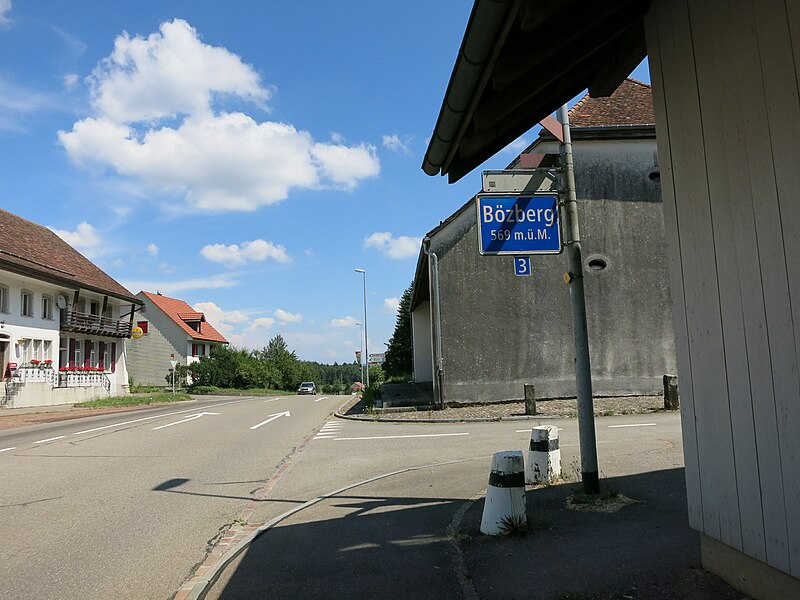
(307, 387)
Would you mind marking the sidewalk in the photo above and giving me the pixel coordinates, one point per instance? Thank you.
(416, 534)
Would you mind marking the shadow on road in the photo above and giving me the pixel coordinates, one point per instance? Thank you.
(397, 546)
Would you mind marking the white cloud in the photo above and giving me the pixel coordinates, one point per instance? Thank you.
(218, 161)
(84, 238)
(239, 254)
(70, 80)
(223, 320)
(262, 323)
(395, 144)
(5, 8)
(174, 287)
(344, 322)
(152, 250)
(285, 316)
(393, 247)
(390, 305)
(166, 268)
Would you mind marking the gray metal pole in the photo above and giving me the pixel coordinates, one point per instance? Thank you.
(574, 277)
(366, 333)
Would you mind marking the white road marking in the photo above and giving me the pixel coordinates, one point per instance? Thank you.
(177, 412)
(192, 418)
(397, 437)
(127, 423)
(633, 425)
(7, 449)
(323, 398)
(272, 399)
(323, 436)
(272, 418)
(52, 439)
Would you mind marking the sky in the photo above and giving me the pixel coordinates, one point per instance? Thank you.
(245, 157)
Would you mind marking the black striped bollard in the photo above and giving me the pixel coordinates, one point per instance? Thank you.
(544, 456)
(505, 495)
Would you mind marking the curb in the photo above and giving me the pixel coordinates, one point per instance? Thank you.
(463, 420)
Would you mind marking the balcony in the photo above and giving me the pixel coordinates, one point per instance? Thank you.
(78, 322)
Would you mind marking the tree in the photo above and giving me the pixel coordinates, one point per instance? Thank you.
(284, 361)
(399, 353)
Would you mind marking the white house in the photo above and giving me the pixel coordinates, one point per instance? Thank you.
(63, 321)
(171, 330)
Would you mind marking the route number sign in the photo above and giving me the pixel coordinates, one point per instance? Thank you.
(522, 266)
(518, 224)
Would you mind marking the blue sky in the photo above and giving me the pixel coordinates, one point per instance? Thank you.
(243, 156)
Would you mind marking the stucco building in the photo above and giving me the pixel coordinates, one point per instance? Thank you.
(64, 323)
(171, 330)
(500, 331)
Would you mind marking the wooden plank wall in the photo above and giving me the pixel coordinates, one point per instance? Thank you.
(727, 100)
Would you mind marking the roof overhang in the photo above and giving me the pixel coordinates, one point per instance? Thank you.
(522, 59)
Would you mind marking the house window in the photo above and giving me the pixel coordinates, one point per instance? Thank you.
(106, 362)
(198, 349)
(93, 354)
(78, 353)
(63, 352)
(94, 308)
(47, 350)
(27, 303)
(26, 351)
(37, 350)
(47, 307)
(143, 325)
(3, 299)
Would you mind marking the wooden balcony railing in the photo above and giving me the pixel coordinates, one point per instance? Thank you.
(78, 322)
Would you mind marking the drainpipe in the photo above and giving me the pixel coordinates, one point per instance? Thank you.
(436, 317)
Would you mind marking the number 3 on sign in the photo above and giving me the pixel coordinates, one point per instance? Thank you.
(522, 266)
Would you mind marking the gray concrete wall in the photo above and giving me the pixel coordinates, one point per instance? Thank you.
(421, 340)
(500, 331)
(149, 356)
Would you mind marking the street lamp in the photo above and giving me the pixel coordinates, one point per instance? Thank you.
(366, 349)
(360, 348)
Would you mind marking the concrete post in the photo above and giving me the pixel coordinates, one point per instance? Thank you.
(530, 399)
(544, 456)
(505, 495)
(672, 399)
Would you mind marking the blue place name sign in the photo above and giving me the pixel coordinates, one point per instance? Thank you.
(515, 224)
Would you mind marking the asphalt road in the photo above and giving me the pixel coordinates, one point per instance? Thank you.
(125, 505)
(388, 537)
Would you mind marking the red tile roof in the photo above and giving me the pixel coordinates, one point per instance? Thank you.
(28, 248)
(630, 104)
(178, 311)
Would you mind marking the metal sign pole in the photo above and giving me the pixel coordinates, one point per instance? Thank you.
(574, 278)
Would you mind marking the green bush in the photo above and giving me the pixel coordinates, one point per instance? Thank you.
(370, 395)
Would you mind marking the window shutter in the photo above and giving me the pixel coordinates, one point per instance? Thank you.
(71, 352)
(101, 362)
(87, 354)
(113, 357)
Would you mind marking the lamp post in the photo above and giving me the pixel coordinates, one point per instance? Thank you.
(366, 349)
(361, 348)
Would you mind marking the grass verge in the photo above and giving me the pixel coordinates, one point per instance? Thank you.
(134, 400)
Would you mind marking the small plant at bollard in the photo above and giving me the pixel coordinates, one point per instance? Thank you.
(240, 521)
(514, 526)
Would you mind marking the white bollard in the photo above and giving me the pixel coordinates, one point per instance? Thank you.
(505, 495)
(544, 456)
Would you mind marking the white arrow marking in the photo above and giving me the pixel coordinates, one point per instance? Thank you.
(273, 399)
(323, 398)
(272, 418)
(192, 418)
(7, 449)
